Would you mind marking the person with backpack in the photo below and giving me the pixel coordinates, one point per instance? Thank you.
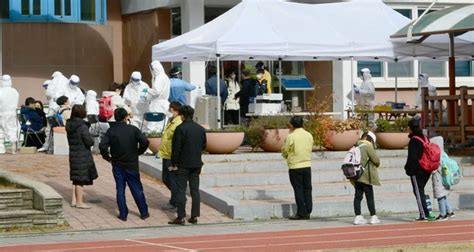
(419, 176)
(370, 161)
(297, 151)
(110, 101)
(440, 190)
(64, 112)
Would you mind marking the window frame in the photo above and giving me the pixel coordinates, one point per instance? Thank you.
(16, 16)
(48, 15)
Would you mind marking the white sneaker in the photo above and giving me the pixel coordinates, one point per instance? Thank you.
(42, 149)
(14, 148)
(359, 220)
(374, 220)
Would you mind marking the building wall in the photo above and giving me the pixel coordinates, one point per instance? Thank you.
(320, 74)
(140, 32)
(33, 51)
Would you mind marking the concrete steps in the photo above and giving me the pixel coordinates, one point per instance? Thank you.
(12, 199)
(256, 185)
(27, 218)
(269, 192)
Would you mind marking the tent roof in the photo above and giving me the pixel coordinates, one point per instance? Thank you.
(269, 30)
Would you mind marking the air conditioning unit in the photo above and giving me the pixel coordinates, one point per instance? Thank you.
(206, 111)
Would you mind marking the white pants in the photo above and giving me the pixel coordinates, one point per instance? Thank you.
(8, 128)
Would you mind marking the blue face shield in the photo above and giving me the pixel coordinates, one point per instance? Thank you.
(135, 80)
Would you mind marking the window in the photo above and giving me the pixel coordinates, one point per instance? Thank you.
(405, 12)
(176, 21)
(401, 69)
(376, 69)
(4, 9)
(420, 11)
(56, 10)
(433, 68)
(88, 10)
(464, 68)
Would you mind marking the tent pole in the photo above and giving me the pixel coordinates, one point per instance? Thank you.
(279, 74)
(352, 85)
(218, 63)
(396, 80)
(452, 79)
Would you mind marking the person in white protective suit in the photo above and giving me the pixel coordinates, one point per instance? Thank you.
(57, 87)
(158, 94)
(423, 81)
(9, 99)
(136, 97)
(92, 106)
(366, 94)
(73, 92)
(53, 108)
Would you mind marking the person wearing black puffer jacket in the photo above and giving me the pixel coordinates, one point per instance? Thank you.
(81, 163)
(418, 176)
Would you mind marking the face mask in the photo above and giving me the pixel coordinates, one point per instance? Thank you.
(135, 81)
(232, 76)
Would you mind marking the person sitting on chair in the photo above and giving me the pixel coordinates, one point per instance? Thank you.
(32, 124)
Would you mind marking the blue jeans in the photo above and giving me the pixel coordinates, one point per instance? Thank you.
(443, 205)
(169, 179)
(131, 177)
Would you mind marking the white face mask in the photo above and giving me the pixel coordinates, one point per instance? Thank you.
(232, 76)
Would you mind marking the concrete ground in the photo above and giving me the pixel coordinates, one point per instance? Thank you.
(54, 171)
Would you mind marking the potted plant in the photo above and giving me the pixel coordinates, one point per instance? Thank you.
(269, 132)
(154, 137)
(328, 132)
(224, 141)
(392, 135)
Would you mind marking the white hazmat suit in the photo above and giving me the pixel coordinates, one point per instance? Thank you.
(58, 86)
(366, 94)
(136, 97)
(92, 106)
(52, 106)
(9, 99)
(158, 94)
(73, 92)
(423, 81)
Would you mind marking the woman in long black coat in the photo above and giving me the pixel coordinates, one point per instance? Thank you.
(81, 163)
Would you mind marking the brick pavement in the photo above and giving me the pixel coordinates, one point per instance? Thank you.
(54, 171)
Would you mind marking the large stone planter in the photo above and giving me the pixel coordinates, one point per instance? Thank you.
(392, 141)
(273, 140)
(155, 143)
(223, 142)
(341, 141)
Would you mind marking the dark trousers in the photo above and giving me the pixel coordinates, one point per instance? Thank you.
(418, 183)
(301, 181)
(183, 176)
(169, 179)
(124, 177)
(231, 117)
(360, 190)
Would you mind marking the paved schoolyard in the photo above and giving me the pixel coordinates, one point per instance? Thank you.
(54, 171)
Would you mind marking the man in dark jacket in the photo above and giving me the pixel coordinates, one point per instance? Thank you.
(418, 176)
(123, 139)
(247, 93)
(189, 141)
(32, 123)
(211, 85)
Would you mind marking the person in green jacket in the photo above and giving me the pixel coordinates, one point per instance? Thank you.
(297, 151)
(364, 184)
(168, 175)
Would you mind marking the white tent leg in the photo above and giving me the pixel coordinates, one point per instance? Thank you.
(218, 63)
(279, 74)
(352, 85)
(396, 80)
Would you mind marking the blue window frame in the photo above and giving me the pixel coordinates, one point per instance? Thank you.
(77, 11)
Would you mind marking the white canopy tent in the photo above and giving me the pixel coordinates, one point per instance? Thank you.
(272, 30)
(278, 30)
